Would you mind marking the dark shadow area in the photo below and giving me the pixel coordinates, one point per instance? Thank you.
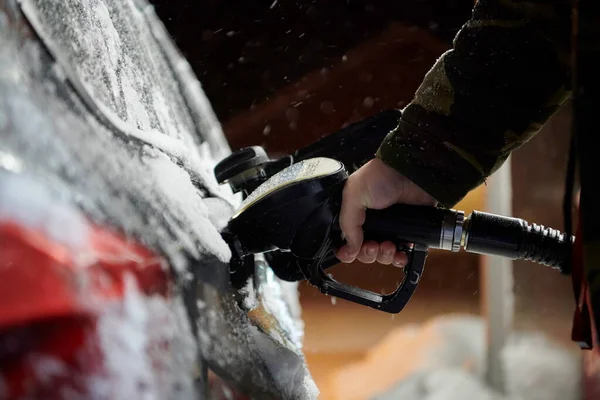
(245, 51)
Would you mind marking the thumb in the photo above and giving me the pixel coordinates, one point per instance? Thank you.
(352, 218)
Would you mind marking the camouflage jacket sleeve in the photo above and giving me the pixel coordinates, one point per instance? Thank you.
(507, 73)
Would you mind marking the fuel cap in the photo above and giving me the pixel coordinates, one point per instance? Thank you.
(243, 160)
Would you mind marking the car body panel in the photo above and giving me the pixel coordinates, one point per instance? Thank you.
(100, 115)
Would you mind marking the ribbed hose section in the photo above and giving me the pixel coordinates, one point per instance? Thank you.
(515, 238)
(545, 246)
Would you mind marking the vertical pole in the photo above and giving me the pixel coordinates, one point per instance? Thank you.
(497, 283)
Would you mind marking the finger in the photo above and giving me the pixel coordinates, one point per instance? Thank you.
(343, 255)
(400, 259)
(386, 253)
(352, 217)
(368, 252)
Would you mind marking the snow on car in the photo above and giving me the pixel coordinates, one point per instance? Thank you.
(113, 274)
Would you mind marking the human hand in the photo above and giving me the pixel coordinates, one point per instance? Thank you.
(376, 186)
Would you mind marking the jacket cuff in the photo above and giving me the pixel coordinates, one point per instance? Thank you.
(431, 164)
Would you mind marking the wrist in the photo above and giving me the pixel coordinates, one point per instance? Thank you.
(393, 185)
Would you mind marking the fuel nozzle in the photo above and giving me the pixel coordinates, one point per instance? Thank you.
(293, 218)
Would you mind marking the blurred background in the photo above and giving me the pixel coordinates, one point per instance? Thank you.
(282, 74)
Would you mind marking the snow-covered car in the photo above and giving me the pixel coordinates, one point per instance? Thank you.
(114, 279)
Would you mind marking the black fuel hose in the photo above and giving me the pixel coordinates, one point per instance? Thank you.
(515, 238)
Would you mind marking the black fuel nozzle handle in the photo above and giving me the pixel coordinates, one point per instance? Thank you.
(414, 229)
(433, 227)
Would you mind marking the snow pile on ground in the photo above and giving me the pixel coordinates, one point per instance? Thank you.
(444, 359)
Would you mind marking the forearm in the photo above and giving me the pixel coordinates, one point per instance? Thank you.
(507, 73)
